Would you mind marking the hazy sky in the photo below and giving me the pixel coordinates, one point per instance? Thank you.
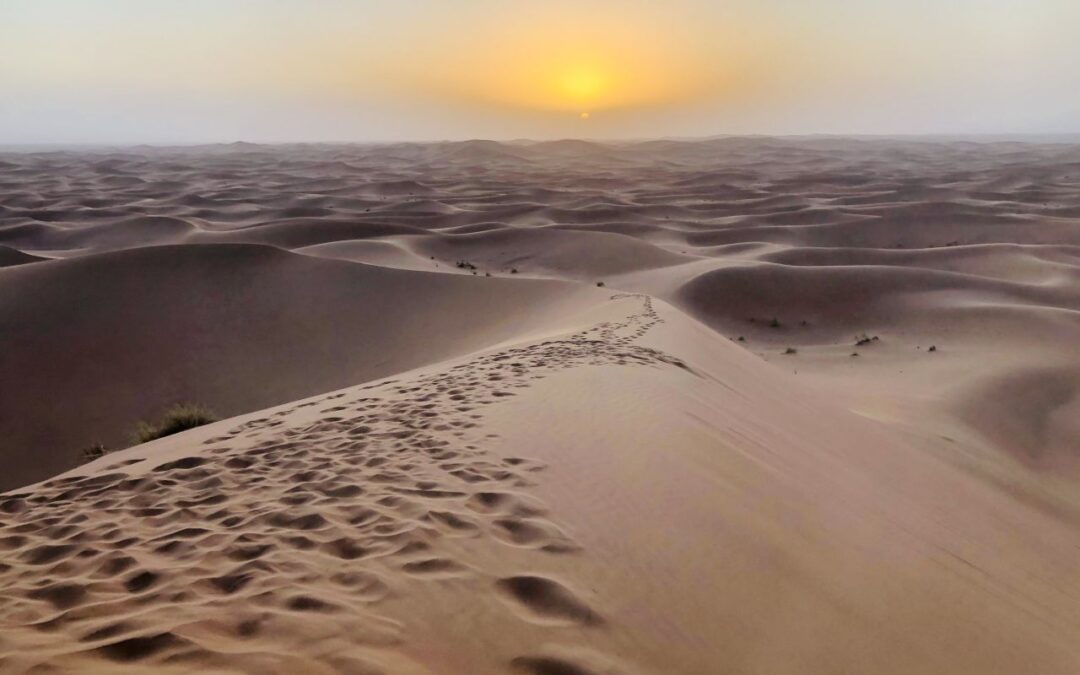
(179, 71)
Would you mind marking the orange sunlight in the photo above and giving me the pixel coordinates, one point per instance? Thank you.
(539, 60)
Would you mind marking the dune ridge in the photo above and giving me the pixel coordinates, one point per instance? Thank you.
(97, 343)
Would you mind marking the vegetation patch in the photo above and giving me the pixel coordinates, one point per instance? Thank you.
(92, 452)
(180, 417)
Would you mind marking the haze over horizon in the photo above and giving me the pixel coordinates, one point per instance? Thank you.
(119, 71)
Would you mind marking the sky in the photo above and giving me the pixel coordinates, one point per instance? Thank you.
(192, 71)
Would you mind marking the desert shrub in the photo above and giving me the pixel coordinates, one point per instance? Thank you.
(92, 452)
(791, 350)
(864, 339)
(180, 417)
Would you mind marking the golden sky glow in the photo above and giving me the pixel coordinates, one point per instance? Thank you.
(546, 57)
(437, 69)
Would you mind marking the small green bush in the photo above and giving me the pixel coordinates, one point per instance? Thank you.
(92, 452)
(180, 417)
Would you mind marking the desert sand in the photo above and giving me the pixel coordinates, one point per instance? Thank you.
(739, 405)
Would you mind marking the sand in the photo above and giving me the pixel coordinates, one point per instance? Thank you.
(741, 405)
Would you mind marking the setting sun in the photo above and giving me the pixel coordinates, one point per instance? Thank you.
(543, 60)
(582, 83)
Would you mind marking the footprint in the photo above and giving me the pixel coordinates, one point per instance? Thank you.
(366, 586)
(546, 601)
(47, 553)
(347, 548)
(60, 595)
(141, 581)
(452, 523)
(562, 660)
(142, 647)
(529, 532)
(549, 665)
(434, 567)
(309, 603)
(183, 463)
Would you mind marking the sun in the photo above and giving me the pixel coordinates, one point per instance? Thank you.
(582, 83)
(569, 63)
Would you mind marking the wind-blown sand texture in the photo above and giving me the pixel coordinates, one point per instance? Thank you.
(743, 405)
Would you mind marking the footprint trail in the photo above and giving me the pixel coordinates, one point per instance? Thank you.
(272, 547)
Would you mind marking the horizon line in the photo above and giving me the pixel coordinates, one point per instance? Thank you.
(1020, 137)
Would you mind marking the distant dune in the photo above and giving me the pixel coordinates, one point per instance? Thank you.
(737, 405)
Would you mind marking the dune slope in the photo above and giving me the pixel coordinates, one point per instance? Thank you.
(90, 346)
(621, 497)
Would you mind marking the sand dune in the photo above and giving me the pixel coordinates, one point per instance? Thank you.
(91, 345)
(343, 532)
(821, 416)
(13, 256)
